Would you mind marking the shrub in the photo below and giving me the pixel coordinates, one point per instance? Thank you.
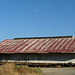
(11, 69)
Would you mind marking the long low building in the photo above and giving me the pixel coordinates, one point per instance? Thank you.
(40, 50)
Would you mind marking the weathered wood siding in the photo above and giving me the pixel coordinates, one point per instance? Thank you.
(39, 58)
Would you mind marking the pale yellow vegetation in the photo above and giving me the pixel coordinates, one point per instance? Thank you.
(11, 69)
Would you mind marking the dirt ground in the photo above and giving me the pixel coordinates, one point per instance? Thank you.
(58, 71)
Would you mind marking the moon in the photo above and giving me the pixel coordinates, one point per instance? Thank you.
(36, 10)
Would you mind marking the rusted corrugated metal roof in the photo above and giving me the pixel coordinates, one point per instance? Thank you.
(65, 45)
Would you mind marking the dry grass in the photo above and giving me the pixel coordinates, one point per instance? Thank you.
(11, 69)
(7, 69)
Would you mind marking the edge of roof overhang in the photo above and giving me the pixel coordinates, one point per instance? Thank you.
(39, 53)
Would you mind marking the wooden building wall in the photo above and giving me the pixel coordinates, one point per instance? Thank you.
(39, 58)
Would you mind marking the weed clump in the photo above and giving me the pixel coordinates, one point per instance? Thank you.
(11, 69)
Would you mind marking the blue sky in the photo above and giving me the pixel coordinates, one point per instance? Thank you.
(36, 18)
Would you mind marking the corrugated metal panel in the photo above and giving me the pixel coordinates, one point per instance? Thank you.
(65, 45)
